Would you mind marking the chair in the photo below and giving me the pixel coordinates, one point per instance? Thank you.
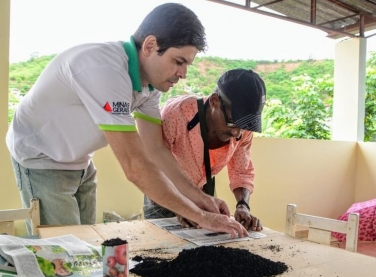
(7, 218)
(320, 229)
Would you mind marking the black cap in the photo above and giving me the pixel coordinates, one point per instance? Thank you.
(246, 92)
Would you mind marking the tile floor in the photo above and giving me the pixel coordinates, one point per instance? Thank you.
(364, 247)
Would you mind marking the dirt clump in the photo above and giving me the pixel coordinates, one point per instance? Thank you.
(218, 261)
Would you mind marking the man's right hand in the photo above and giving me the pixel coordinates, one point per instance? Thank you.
(186, 222)
(222, 223)
(212, 204)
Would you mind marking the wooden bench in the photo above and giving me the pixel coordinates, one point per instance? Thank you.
(320, 228)
(8, 217)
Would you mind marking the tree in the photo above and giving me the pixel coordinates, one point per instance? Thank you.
(297, 107)
(308, 116)
(370, 105)
(13, 101)
(276, 117)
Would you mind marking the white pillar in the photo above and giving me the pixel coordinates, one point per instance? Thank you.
(349, 90)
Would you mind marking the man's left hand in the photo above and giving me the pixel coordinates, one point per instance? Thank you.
(250, 222)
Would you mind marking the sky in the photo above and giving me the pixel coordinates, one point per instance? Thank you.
(50, 26)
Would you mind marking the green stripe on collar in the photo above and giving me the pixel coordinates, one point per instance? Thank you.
(134, 67)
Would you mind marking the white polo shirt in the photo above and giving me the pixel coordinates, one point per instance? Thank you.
(84, 90)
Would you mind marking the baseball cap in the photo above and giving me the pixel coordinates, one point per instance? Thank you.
(247, 93)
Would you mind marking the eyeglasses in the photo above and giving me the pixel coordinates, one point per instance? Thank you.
(223, 108)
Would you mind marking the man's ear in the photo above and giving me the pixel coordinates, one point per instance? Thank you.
(149, 45)
(214, 100)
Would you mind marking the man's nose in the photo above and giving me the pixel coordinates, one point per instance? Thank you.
(182, 71)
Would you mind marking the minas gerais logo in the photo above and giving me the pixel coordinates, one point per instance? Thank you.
(116, 107)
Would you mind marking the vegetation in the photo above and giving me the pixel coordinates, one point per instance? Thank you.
(308, 113)
(24, 74)
(370, 115)
(203, 74)
(299, 93)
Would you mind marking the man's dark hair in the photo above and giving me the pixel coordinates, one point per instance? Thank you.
(174, 25)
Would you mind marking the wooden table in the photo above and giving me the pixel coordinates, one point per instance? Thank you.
(303, 257)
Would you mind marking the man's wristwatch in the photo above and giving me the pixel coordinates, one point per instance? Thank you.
(242, 202)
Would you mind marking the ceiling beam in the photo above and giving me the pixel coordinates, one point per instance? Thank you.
(332, 33)
(313, 12)
(347, 7)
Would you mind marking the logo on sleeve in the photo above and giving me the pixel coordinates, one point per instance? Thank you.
(117, 107)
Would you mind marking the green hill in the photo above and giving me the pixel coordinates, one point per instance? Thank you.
(202, 75)
(299, 93)
(24, 74)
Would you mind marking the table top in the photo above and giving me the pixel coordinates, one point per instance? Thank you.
(304, 258)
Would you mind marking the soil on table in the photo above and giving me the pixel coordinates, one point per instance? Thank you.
(114, 242)
(218, 261)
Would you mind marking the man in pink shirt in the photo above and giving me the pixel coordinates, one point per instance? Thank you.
(231, 113)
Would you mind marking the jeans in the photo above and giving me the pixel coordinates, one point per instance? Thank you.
(66, 197)
(153, 210)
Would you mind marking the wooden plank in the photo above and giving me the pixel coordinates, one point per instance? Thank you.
(327, 224)
(14, 214)
(289, 225)
(305, 258)
(140, 235)
(84, 232)
(352, 232)
(301, 232)
(7, 227)
(34, 215)
(319, 236)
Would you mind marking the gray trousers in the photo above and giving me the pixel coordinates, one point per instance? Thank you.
(66, 197)
(153, 210)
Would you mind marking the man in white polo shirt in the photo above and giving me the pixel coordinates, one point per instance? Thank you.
(84, 100)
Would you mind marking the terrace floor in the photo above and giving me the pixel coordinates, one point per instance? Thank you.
(364, 247)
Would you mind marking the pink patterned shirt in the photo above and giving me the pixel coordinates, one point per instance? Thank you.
(188, 148)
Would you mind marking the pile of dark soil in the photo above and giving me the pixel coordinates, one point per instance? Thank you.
(218, 261)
